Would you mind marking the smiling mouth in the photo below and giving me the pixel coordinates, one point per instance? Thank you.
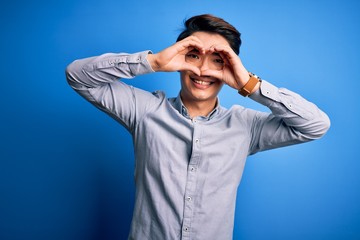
(201, 82)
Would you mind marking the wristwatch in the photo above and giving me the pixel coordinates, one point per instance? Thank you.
(250, 85)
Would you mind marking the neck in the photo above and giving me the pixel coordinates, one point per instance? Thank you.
(199, 108)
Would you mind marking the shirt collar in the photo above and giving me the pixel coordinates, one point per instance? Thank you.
(180, 107)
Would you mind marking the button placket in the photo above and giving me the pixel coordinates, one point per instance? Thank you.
(191, 181)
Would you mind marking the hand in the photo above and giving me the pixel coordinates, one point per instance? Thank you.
(172, 58)
(233, 72)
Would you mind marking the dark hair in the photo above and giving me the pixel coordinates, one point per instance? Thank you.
(212, 24)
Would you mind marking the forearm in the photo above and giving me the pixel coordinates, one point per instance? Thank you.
(296, 112)
(97, 80)
(96, 71)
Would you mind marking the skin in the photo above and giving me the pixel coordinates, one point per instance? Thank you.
(195, 57)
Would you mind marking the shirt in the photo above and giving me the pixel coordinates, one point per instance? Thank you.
(187, 171)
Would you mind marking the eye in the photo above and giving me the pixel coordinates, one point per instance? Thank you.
(219, 61)
(192, 55)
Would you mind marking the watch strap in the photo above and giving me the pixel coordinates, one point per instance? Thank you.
(250, 85)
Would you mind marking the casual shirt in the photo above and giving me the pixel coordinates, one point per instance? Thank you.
(187, 171)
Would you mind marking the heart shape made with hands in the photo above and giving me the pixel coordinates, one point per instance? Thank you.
(209, 59)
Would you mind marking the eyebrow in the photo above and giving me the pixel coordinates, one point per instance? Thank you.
(195, 50)
(216, 54)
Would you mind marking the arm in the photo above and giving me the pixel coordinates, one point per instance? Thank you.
(96, 79)
(292, 120)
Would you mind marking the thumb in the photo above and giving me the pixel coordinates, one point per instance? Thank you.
(213, 73)
(190, 67)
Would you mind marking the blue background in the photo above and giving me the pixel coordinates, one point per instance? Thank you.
(66, 169)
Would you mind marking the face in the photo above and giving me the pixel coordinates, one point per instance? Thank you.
(202, 88)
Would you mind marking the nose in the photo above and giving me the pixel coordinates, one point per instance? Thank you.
(205, 64)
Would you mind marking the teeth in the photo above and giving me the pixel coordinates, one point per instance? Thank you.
(202, 82)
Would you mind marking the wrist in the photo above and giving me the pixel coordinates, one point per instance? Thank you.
(151, 58)
(257, 86)
(251, 86)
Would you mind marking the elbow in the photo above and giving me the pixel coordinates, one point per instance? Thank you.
(73, 75)
(70, 73)
(326, 123)
(322, 126)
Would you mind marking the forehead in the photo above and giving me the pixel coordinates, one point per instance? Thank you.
(210, 39)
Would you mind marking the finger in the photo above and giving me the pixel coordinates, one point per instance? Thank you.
(222, 54)
(190, 43)
(192, 38)
(226, 51)
(218, 74)
(223, 48)
(229, 56)
(225, 58)
(192, 68)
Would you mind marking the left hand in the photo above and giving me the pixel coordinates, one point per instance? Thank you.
(233, 73)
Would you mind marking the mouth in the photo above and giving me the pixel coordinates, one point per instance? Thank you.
(202, 81)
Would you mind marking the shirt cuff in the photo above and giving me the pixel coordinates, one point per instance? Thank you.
(283, 101)
(266, 94)
(139, 64)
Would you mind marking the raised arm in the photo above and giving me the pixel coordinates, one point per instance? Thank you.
(97, 80)
(293, 119)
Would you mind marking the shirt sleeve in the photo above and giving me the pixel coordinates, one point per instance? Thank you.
(293, 119)
(97, 80)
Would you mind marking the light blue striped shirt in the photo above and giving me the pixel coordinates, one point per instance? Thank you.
(187, 171)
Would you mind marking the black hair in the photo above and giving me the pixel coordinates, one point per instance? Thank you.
(212, 24)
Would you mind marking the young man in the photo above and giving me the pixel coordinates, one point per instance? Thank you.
(190, 152)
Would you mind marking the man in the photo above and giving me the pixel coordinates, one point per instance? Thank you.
(189, 151)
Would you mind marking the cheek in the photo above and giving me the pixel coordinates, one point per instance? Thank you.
(184, 77)
(219, 86)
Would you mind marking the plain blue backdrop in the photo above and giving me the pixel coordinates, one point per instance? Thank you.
(66, 169)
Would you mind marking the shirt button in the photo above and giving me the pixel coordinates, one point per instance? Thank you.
(197, 140)
(188, 198)
(192, 169)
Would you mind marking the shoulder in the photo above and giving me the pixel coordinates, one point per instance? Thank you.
(159, 94)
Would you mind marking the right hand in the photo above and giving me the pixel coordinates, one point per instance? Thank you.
(172, 59)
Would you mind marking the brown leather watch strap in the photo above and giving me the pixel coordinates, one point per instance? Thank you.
(250, 85)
